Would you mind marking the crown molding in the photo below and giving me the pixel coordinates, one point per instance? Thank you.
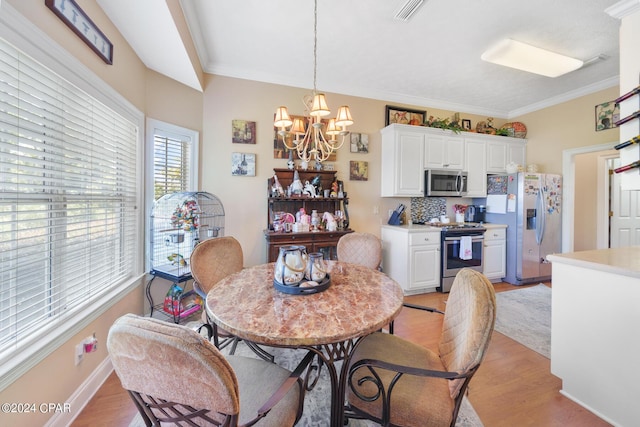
(623, 8)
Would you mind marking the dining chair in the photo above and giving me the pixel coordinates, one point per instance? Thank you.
(175, 375)
(395, 382)
(360, 248)
(211, 261)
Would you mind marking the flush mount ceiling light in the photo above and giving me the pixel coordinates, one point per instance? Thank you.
(514, 54)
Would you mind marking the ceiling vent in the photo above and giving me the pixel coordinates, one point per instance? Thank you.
(408, 9)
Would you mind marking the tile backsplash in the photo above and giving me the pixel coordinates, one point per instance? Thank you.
(425, 208)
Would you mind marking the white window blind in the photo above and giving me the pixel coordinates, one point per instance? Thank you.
(68, 194)
(171, 164)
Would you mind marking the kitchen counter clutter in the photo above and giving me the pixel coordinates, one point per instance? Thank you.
(594, 344)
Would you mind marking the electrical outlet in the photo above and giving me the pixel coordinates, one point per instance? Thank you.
(79, 353)
(376, 210)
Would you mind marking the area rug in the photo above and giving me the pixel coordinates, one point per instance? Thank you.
(317, 406)
(524, 315)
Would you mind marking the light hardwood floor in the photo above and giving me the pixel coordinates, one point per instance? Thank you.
(513, 387)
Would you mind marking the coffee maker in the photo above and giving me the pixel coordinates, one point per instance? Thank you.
(475, 213)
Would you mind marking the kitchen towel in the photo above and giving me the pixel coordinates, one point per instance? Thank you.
(466, 251)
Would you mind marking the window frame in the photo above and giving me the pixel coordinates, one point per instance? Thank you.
(21, 33)
(176, 132)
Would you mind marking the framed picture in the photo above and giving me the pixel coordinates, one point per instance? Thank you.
(243, 164)
(466, 124)
(282, 152)
(607, 114)
(71, 14)
(358, 170)
(243, 132)
(404, 116)
(359, 142)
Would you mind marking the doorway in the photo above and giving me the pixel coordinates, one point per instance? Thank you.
(602, 153)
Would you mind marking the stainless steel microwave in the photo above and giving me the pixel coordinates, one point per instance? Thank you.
(445, 183)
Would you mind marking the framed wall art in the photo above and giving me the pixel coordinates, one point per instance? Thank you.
(607, 114)
(404, 116)
(359, 142)
(243, 132)
(358, 170)
(75, 18)
(466, 124)
(243, 164)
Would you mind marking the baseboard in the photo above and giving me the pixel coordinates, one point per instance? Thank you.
(587, 407)
(83, 394)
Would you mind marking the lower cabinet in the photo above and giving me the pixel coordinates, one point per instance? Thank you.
(495, 253)
(411, 256)
(321, 241)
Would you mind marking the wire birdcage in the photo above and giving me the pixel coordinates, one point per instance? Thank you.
(179, 221)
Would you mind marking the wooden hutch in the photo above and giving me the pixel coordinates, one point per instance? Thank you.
(315, 241)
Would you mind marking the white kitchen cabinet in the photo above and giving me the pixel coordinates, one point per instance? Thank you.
(502, 150)
(476, 160)
(443, 150)
(495, 253)
(408, 150)
(411, 256)
(402, 171)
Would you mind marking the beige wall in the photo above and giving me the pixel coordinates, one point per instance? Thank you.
(564, 126)
(550, 131)
(245, 198)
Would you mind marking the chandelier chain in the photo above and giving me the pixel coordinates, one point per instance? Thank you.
(315, 43)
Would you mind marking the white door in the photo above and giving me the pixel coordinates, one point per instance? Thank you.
(625, 219)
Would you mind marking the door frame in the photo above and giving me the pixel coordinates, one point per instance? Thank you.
(568, 195)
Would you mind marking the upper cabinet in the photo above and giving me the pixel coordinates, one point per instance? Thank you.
(408, 150)
(505, 150)
(444, 151)
(402, 161)
(476, 154)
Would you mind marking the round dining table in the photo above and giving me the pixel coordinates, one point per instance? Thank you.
(358, 302)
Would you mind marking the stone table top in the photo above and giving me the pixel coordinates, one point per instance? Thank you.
(358, 302)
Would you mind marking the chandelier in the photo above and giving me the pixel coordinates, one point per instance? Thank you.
(310, 143)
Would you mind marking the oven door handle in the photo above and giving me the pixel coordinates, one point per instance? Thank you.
(473, 238)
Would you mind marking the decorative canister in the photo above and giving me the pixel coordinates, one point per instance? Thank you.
(290, 265)
(316, 269)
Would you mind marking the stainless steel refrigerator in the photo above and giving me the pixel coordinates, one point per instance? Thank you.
(531, 206)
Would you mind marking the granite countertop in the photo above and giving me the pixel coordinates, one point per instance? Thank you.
(624, 261)
(358, 302)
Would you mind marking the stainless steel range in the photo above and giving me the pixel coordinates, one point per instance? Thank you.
(462, 247)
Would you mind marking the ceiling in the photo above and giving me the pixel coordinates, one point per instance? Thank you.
(432, 60)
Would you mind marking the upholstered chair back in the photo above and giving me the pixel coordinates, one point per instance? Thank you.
(360, 248)
(468, 324)
(173, 363)
(214, 259)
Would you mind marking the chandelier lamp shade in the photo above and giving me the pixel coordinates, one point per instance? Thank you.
(312, 142)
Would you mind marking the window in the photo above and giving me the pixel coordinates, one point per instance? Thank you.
(68, 205)
(172, 163)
